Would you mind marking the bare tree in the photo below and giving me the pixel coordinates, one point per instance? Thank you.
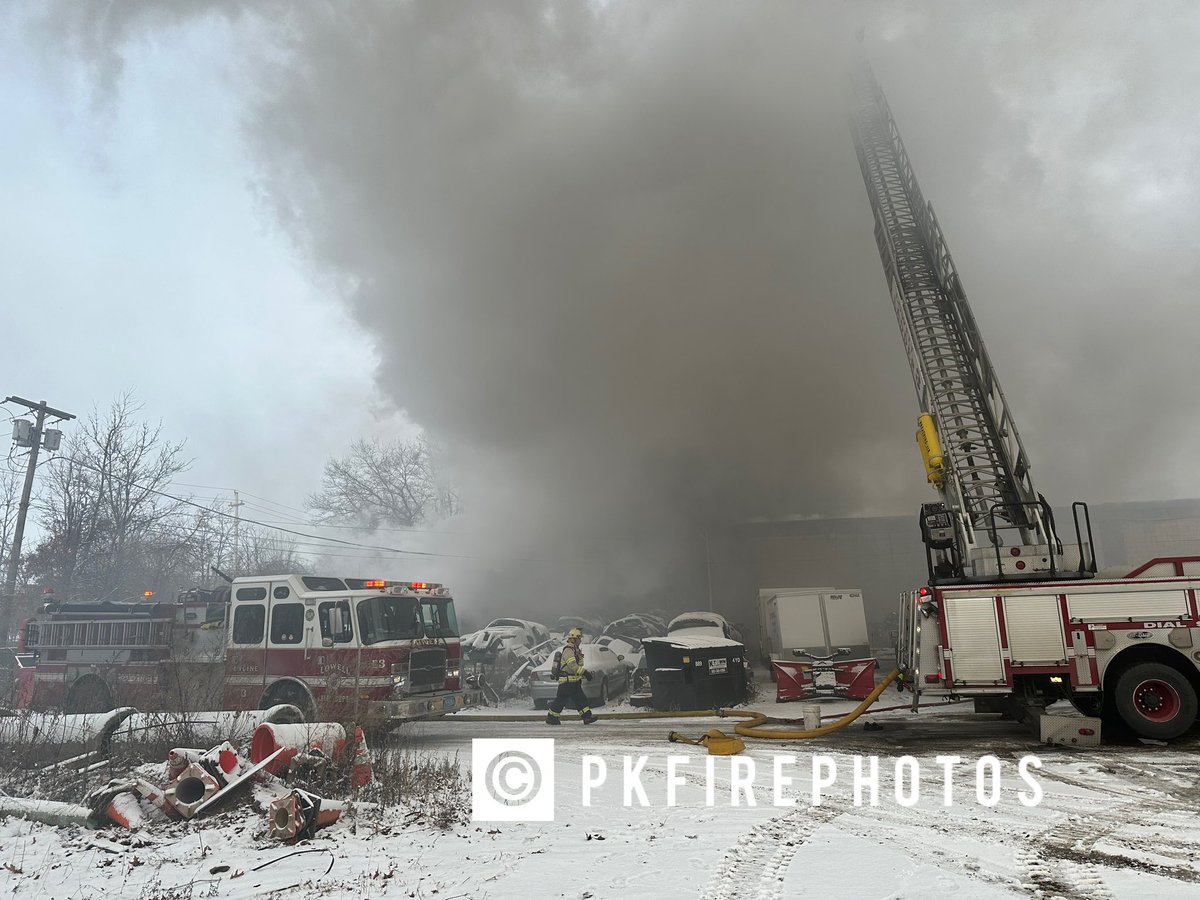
(384, 484)
(10, 498)
(264, 553)
(109, 529)
(209, 544)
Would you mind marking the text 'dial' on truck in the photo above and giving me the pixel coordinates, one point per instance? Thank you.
(373, 651)
(1010, 614)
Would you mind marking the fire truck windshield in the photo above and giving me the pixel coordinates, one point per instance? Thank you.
(439, 617)
(385, 618)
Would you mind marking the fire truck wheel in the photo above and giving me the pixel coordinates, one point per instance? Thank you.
(287, 692)
(89, 695)
(1156, 700)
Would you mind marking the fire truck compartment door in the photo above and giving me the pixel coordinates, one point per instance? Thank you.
(974, 635)
(1035, 630)
(1099, 605)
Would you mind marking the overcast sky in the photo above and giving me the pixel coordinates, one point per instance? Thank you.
(618, 257)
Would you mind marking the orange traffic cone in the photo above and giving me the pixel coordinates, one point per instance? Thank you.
(361, 770)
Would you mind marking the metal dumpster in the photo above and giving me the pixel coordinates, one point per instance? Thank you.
(691, 672)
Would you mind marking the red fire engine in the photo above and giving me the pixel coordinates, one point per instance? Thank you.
(375, 651)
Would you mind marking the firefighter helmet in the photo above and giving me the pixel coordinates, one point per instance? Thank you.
(575, 634)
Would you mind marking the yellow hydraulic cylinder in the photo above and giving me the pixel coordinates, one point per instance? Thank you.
(931, 449)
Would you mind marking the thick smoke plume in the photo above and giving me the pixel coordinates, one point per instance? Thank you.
(618, 257)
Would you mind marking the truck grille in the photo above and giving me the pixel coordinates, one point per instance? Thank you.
(427, 669)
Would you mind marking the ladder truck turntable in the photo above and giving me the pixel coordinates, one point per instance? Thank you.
(1009, 616)
(374, 651)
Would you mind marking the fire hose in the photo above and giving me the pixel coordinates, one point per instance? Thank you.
(751, 728)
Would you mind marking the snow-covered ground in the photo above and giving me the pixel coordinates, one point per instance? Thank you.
(1120, 821)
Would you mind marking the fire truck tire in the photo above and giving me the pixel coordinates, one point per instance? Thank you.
(291, 693)
(89, 694)
(1156, 700)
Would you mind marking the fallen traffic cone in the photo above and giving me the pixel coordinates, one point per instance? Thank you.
(224, 757)
(156, 796)
(123, 810)
(361, 772)
(179, 759)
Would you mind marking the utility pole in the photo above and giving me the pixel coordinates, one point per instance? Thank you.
(237, 505)
(33, 438)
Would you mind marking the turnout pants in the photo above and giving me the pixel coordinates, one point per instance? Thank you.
(570, 693)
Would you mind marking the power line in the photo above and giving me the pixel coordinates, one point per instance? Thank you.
(229, 490)
(330, 540)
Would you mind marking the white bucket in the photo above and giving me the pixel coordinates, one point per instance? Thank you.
(812, 717)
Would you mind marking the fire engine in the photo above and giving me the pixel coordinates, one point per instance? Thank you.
(345, 648)
(1009, 613)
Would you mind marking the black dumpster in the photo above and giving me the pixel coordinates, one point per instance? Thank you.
(689, 672)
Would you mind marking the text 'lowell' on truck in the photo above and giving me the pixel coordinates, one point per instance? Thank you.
(1009, 615)
(373, 651)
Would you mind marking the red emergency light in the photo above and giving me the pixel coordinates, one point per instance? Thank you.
(375, 583)
(419, 585)
(147, 593)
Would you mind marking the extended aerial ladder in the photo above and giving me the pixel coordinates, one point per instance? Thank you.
(990, 523)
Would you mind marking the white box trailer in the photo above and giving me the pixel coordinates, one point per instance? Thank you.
(819, 620)
(814, 641)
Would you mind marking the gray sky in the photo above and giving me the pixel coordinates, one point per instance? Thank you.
(618, 257)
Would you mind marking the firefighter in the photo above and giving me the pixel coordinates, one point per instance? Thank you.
(569, 670)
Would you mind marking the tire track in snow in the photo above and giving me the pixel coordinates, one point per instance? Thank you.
(1064, 857)
(757, 865)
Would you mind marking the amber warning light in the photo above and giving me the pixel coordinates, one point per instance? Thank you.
(147, 593)
(375, 583)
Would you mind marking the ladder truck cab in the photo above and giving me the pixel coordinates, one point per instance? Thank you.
(374, 651)
(1009, 614)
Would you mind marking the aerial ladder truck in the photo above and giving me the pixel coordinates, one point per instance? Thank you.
(1009, 616)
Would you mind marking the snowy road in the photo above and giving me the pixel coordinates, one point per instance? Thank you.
(1119, 822)
(1116, 822)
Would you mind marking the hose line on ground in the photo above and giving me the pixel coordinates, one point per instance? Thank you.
(753, 727)
(648, 714)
